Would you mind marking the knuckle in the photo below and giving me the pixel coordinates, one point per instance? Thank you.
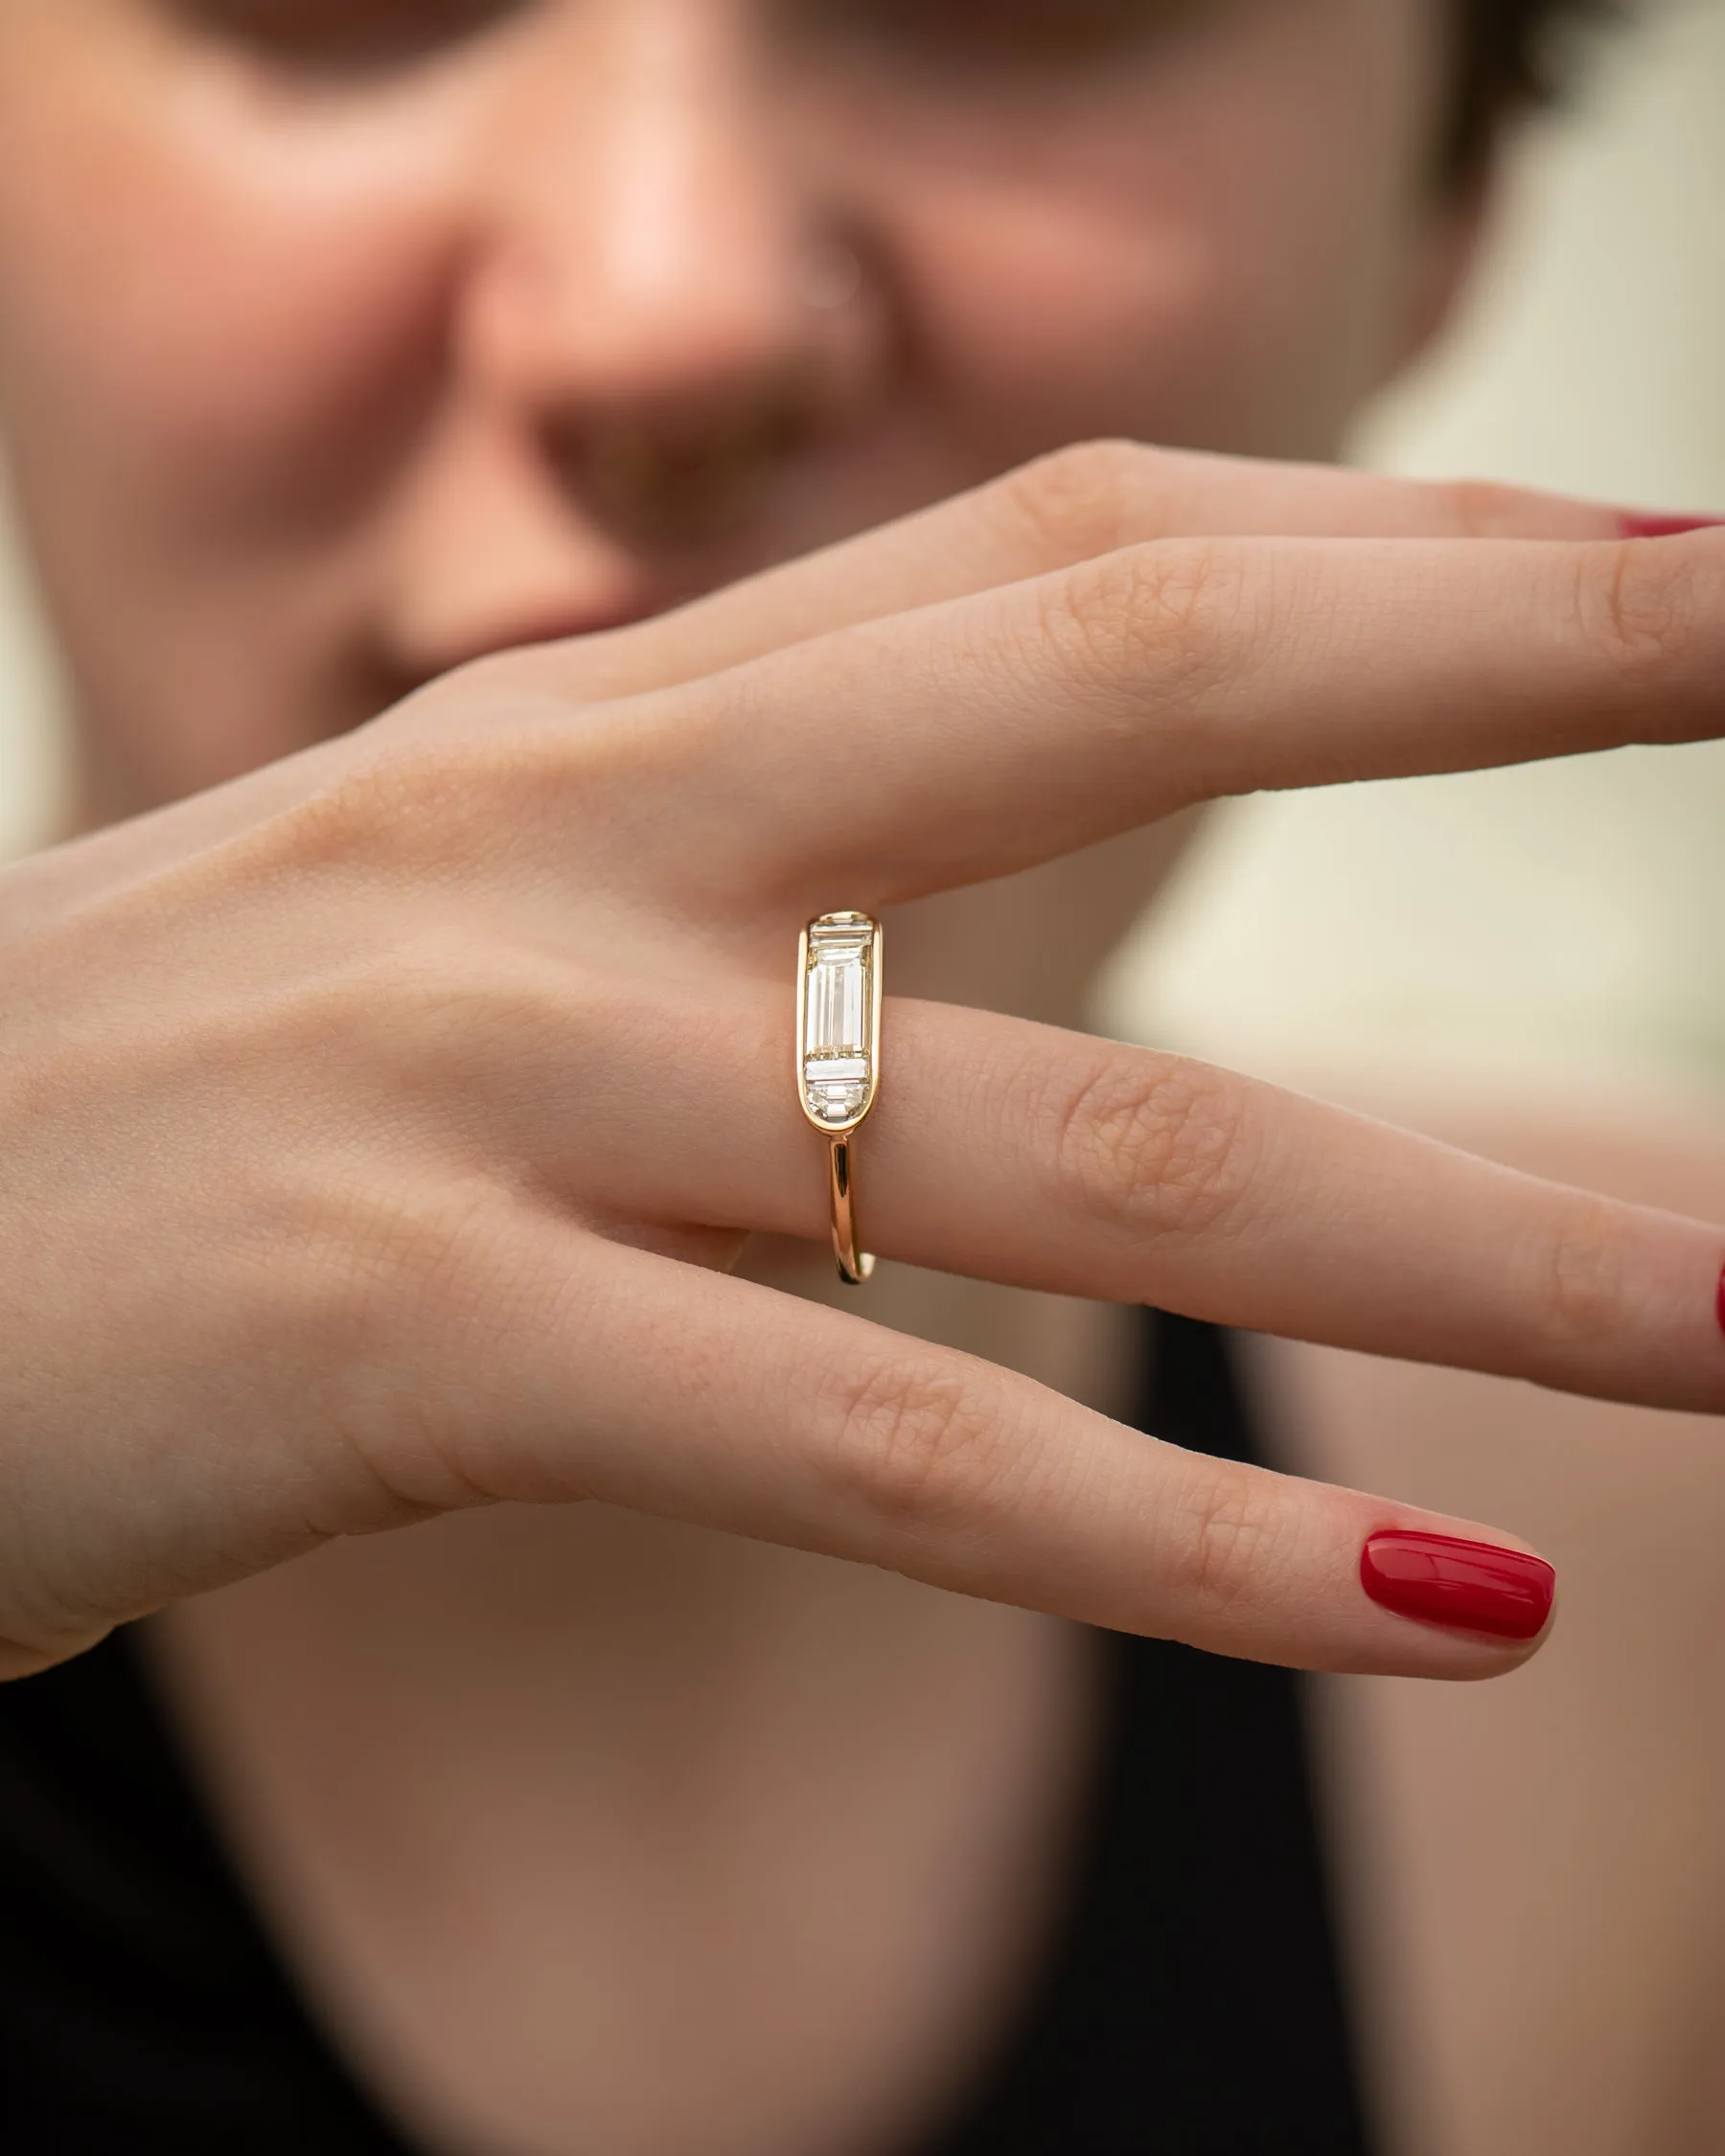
(451, 987)
(1079, 500)
(1155, 1144)
(1582, 1293)
(433, 799)
(922, 1449)
(389, 810)
(418, 800)
(405, 1009)
(457, 1039)
(1226, 1534)
(1639, 611)
(1152, 619)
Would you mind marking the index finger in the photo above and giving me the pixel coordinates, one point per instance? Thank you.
(1059, 510)
(988, 735)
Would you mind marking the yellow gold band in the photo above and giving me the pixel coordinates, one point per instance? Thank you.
(854, 1265)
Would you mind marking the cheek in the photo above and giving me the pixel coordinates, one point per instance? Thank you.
(216, 339)
(214, 306)
(1223, 262)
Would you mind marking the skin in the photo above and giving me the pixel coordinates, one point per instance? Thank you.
(329, 407)
(320, 379)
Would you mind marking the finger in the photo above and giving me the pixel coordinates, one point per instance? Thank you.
(987, 735)
(1060, 510)
(803, 1426)
(1026, 1155)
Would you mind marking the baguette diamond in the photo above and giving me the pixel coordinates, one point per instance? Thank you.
(839, 1020)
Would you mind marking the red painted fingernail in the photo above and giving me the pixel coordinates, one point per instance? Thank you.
(1637, 526)
(1473, 1586)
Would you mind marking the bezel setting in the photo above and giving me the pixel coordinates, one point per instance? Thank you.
(838, 1021)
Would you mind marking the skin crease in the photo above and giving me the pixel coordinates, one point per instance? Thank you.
(311, 386)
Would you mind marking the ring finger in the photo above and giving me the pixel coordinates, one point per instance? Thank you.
(1021, 1154)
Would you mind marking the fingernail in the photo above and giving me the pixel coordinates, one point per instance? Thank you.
(1638, 526)
(1472, 1586)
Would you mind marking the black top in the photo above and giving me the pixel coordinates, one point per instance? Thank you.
(1188, 2005)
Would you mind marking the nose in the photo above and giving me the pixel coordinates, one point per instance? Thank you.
(655, 291)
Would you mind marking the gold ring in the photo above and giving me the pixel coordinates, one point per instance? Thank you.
(838, 1056)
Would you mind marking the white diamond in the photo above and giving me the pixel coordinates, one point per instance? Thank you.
(838, 989)
(838, 1104)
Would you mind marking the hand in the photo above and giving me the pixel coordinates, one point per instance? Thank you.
(377, 1130)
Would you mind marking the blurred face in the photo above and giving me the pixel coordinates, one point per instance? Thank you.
(344, 339)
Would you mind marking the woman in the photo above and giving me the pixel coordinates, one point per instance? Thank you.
(398, 1118)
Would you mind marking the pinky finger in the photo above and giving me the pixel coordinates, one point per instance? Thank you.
(673, 1390)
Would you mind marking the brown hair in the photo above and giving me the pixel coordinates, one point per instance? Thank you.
(1510, 57)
